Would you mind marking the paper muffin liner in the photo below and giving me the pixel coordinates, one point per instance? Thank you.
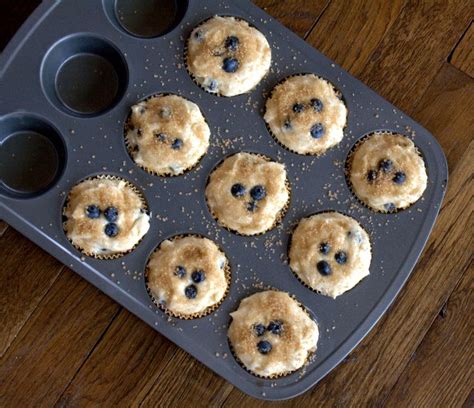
(281, 214)
(348, 165)
(283, 373)
(289, 247)
(193, 77)
(104, 177)
(339, 94)
(130, 148)
(210, 309)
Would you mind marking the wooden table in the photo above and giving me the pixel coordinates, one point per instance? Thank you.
(62, 342)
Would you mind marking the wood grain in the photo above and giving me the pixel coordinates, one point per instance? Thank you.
(406, 62)
(54, 343)
(298, 15)
(349, 34)
(437, 374)
(123, 367)
(24, 281)
(445, 110)
(463, 55)
(70, 345)
(174, 386)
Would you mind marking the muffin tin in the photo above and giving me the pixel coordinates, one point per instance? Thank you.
(68, 80)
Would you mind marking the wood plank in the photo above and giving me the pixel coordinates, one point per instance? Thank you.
(446, 110)
(122, 368)
(463, 55)
(24, 281)
(373, 368)
(54, 343)
(348, 33)
(410, 55)
(298, 15)
(441, 373)
(185, 380)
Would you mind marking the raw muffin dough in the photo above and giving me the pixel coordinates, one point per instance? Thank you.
(226, 56)
(387, 172)
(305, 114)
(186, 275)
(271, 334)
(330, 252)
(105, 217)
(167, 134)
(248, 193)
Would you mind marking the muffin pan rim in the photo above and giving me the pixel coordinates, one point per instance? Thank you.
(19, 214)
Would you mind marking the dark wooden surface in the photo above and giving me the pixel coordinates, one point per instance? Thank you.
(63, 343)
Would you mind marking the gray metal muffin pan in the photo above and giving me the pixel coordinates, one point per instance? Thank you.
(74, 120)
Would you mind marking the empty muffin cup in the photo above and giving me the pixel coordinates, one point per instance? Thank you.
(145, 18)
(32, 155)
(84, 75)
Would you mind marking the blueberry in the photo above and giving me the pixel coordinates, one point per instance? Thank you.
(341, 257)
(111, 214)
(232, 43)
(258, 192)
(287, 124)
(385, 165)
(160, 136)
(324, 248)
(180, 271)
(259, 329)
(371, 175)
(298, 107)
(317, 130)
(198, 35)
(275, 326)
(212, 86)
(264, 347)
(139, 132)
(230, 65)
(237, 190)
(399, 177)
(92, 211)
(198, 276)
(316, 104)
(142, 110)
(177, 144)
(190, 291)
(251, 206)
(389, 206)
(324, 268)
(111, 229)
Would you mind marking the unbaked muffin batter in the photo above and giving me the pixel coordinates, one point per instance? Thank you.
(187, 275)
(330, 252)
(248, 193)
(167, 134)
(105, 216)
(227, 56)
(387, 172)
(305, 114)
(271, 334)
